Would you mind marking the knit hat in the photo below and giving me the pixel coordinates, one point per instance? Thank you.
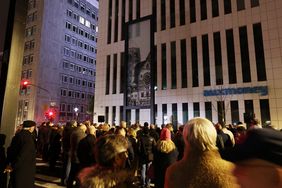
(29, 123)
(165, 134)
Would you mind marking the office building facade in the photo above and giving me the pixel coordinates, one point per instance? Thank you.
(218, 59)
(58, 61)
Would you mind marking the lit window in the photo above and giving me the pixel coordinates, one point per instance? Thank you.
(87, 23)
(81, 20)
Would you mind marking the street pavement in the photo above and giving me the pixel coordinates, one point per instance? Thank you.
(45, 177)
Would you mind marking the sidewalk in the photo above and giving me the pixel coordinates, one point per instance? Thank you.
(44, 177)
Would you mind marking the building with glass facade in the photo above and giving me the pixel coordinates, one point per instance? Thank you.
(219, 59)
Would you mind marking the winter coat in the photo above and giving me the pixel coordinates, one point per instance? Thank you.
(161, 162)
(103, 177)
(201, 170)
(146, 145)
(21, 155)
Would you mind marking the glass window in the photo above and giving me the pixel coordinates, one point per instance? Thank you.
(264, 111)
(196, 108)
(164, 115)
(208, 110)
(204, 9)
(164, 81)
(194, 59)
(234, 111)
(163, 14)
(108, 74)
(240, 5)
(185, 112)
(172, 13)
(227, 6)
(192, 11)
(115, 75)
(245, 60)
(174, 115)
(254, 3)
(231, 57)
(259, 52)
(182, 12)
(183, 63)
(221, 112)
(218, 58)
(81, 20)
(206, 60)
(116, 20)
(173, 65)
(110, 22)
(215, 9)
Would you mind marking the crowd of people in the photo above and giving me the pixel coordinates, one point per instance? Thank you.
(197, 154)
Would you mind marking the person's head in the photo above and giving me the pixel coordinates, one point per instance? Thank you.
(218, 126)
(146, 124)
(152, 126)
(132, 132)
(110, 151)
(91, 130)
(169, 126)
(200, 134)
(82, 127)
(29, 125)
(165, 134)
(120, 131)
(123, 124)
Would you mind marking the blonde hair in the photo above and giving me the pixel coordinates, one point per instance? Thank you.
(165, 146)
(200, 134)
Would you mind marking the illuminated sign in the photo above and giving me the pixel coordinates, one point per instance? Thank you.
(263, 90)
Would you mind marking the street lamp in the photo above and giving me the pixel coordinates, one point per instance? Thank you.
(76, 112)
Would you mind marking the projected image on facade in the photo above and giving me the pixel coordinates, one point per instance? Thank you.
(138, 89)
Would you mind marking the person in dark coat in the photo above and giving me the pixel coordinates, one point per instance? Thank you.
(54, 146)
(76, 136)
(21, 157)
(165, 154)
(146, 147)
(85, 149)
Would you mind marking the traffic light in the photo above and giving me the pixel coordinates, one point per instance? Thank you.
(24, 84)
(50, 114)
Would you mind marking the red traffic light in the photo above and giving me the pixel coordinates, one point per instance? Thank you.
(50, 114)
(24, 84)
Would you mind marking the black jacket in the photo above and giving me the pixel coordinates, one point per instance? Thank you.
(146, 147)
(21, 155)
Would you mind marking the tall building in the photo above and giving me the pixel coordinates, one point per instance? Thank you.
(219, 59)
(59, 60)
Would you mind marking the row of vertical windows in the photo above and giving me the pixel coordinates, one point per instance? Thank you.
(76, 42)
(26, 74)
(114, 65)
(79, 31)
(220, 109)
(73, 94)
(31, 17)
(29, 45)
(67, 79)
(69, 108)
(84, 9)
(77, 68)
(231, 59)
(82, 20)
(28, 59)
(77, 55)
(113, 17)
(227, 5)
